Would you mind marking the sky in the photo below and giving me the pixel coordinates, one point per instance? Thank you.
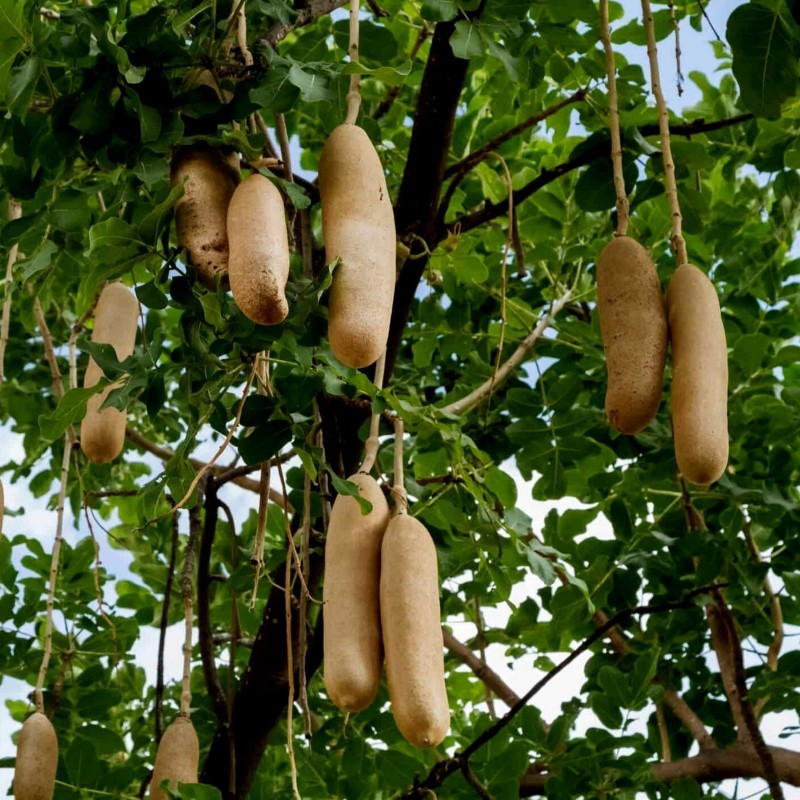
(521, 674)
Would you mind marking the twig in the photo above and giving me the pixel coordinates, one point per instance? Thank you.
(663, 733)
(676, 28)
(708, 20)
(269, 147)
(613, 123)
(481, 669)
(221, 449)
(678, 243)
(14, 212)
(373, 443)
(51, 591)
(283, 143)
(774, 649)
(289, 537)
(165, 454)
(162, 632)
(503, 277)
(305, 14)
(476, 156)
(187, 590)
(399, 487)
(478, 395)
(305, 558)
(489, 211)
(257, 556)
(287, 590)
(481, 639)
(354, 93)
(241, 34)
(472, 779)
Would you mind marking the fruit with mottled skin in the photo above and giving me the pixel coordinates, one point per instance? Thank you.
(412, 632)
(37, 759)
(699, 376)
(177, 757)
(358, 228)
(116, 319)
(258, 264)
(353, 650)
(633, 324)
(209, 177)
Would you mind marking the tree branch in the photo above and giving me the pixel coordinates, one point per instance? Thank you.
(417, 201)
(204, 632)
(162, 633)
(478, 395)
(476, 156)
(481, 669)
(490, 211)
(709, 766)
(165, 454)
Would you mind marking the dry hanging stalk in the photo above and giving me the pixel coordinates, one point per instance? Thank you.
(623, 207)
(187, 588)
(677, 30)
(399, 488)
(354, 93)
(14, 212)
(257, 557)
(51, 592)
(287, 590)
(305, 559)
(207, 466)
(503, 274)
(678, 243)
(372, 444)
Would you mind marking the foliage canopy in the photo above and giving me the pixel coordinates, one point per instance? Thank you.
(95, 98)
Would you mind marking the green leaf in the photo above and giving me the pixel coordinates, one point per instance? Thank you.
(22, 85)
(350, 489)
(264, 441)
(765, 57)
(750, 351)
(466, 40)
(70, 409)
(314, 87)
(198, 791)
(439, 10)
(38, 262)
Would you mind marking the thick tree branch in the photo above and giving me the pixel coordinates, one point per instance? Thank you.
(709, 766)
(417, 201)
(204, 632)
(481, 669)
(261, 700)
(490, 211)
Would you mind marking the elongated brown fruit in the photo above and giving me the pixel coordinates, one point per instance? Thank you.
(258, 265)
(201, 214)
(412, 632)
(353, 652)
(699, 376)
(115, 322)
(177, 757)
(633, 324)
(37, 759)
(358, 226)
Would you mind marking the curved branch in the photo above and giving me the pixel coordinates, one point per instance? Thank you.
(709, 766)
(490, 211)
(165, 454)
(481, 669)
